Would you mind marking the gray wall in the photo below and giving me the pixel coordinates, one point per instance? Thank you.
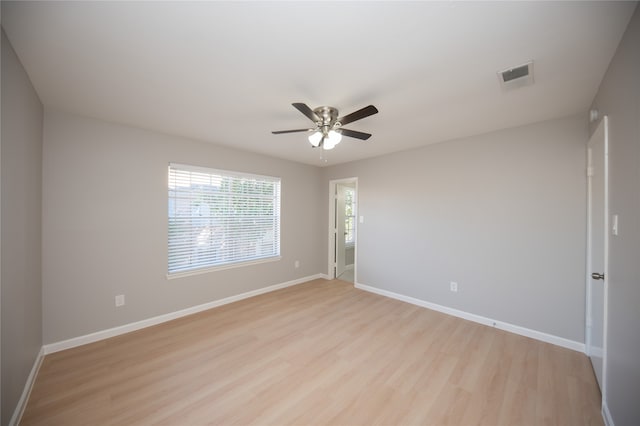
(503, 214)
(21, 191)
(105, 225)
(619, 98)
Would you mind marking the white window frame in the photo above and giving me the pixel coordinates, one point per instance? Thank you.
(195, 248)
(353, 217)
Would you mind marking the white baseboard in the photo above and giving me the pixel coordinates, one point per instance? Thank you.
(595, 352)
(22, 402)
(127, 328)
(606, 414)
(516, 329)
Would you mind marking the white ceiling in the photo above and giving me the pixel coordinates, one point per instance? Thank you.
(227, 73)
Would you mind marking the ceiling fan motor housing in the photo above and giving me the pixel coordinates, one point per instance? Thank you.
(328, 117)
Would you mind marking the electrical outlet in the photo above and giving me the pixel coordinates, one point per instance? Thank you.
(119, 300)
(296, 264)
(453, 286)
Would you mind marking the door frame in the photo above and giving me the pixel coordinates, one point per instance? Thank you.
(588, 280)
(332, 230)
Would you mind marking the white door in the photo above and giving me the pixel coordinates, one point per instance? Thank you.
(598, 243)
(340, 229)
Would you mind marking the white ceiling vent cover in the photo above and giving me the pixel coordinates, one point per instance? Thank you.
(515, 77)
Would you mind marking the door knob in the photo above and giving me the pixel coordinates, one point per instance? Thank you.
(597, 276)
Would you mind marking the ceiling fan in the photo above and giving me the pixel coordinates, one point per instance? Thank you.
(328, 130)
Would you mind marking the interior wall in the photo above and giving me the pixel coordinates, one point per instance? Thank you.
(619, 98)
(21, 191)
(502, 214)
(105, 225)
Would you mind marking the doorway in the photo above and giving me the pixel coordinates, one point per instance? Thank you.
(597, 251)
(343, 195)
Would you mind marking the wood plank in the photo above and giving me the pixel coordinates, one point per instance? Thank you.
(321, 352)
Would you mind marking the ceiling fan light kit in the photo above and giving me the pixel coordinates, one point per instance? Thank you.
(331, 139)
(328, 130)
(315, 138)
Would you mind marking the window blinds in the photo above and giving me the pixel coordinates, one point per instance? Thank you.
(219, 218)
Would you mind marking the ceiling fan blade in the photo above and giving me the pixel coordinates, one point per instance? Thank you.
(303, 108)
(358, 115)
(355, 134)
(278, 132)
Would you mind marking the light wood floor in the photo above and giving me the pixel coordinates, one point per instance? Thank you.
(317, 353)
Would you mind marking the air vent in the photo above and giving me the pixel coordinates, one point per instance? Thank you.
(515, 77)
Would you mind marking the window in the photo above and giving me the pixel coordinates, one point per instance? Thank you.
(219, 218)
(349, 217)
